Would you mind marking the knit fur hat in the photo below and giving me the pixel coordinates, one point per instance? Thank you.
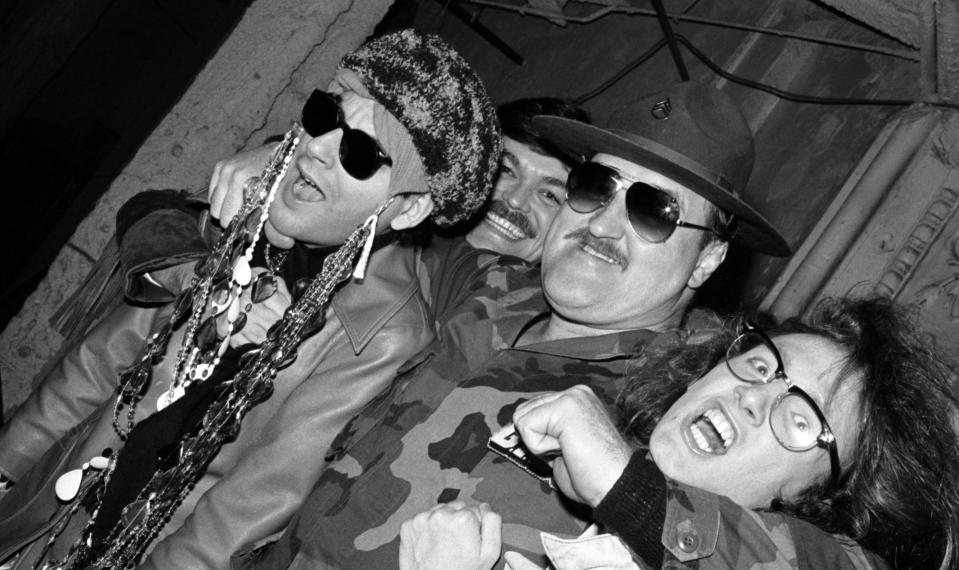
(443, 106)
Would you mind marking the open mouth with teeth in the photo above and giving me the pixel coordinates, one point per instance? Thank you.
(305, 189)
(712, 432)
(505, 227)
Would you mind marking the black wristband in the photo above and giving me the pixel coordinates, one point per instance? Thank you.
(635, 508)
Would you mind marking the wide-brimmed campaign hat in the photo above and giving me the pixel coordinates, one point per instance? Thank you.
(690, 132)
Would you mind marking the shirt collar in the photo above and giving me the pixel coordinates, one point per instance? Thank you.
(590, 348)
(615, 344)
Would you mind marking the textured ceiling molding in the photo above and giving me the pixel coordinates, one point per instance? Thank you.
(944, 59)
(554, 7)
(898, 18)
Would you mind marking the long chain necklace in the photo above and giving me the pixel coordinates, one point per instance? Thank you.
(225, 272)
(142, 519)
(196, 358)
(228, 266)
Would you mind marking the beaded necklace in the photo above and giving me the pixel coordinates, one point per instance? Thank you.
(227, 266)
(143, 518)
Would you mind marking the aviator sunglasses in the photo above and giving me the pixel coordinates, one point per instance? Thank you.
(360, 154)
(653, 213)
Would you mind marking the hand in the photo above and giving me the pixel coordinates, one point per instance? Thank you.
(229, 179)
(451, 536)
(261, 316)
(574, 423)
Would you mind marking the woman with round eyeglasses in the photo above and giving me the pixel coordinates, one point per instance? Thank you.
(795, 418)
(823, 442)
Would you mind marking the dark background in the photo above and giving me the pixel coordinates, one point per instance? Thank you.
(84, 84)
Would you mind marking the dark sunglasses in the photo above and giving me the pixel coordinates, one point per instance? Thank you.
(360, 154)
(653, 213)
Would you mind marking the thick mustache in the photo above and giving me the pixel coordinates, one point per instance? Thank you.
(518, 219)
(583, 238)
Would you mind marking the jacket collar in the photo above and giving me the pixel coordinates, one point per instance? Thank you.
(365, 307)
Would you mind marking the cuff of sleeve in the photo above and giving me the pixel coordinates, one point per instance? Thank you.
(140, 287)
(635, 508)
(155, 230)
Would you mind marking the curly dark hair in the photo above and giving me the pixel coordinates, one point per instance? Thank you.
(899, 494)
(515, 119)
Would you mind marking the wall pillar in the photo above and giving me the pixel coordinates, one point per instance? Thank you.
(892, 231)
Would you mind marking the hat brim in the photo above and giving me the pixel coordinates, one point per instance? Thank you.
(752, 229)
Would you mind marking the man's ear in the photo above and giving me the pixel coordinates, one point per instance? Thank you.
(414, 208)
(710, 258)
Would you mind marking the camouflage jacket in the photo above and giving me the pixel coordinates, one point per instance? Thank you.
(455, 272)
(423, 441)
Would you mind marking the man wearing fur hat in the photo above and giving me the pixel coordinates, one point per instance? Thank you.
(136, 435)
(529, 190)
(530, 186)
(648, 218)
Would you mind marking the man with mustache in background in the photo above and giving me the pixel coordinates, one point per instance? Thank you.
(531, 186)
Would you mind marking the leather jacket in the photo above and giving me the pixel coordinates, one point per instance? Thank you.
(255, 483)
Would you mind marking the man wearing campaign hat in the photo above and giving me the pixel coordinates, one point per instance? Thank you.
(648, 218)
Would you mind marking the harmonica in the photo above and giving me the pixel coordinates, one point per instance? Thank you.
(507, 444)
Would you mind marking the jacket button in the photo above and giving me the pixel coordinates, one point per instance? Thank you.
(688, 540)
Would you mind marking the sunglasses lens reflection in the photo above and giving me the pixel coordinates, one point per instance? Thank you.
(651, 212)
(589, 186)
